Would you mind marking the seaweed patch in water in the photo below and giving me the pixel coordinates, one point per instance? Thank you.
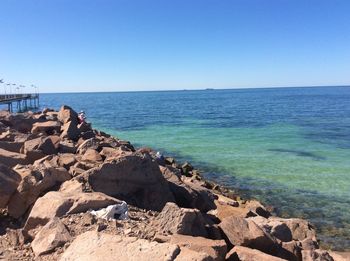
(300, 153)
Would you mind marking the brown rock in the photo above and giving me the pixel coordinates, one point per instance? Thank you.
(11, 159)
(47, 127)
(111, 154)
(55, 141)
(53, 234)
(92, 155)
(291, 251)
(70, 131)
(71, 186)
(56, 204)
(136, 179)
(75, 171)
(50, 161)
(67, 160)
(175, 220)
(38, 148)
(240, 253)
(187, 254)
(67, 114)
(9, 181)
(216, 249)
(340, 256)
(97, 246)
(187, 195)
(287, 229)
(32, 186)
(244, 232)
(92, 143)
(67, 146)
(316, 255)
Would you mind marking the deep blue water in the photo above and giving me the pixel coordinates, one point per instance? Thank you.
(289, 147)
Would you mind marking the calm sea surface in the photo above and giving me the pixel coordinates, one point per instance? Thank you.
(287, 147)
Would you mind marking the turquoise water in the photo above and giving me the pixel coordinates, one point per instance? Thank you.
(289, 147)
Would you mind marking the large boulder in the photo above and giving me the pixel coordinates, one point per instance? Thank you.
(216, 249)
(174, 220)
(240, 253)
(59, 203)
(97, 246)
(35, 181)
(135, 179)
(38, 148)
(244, 232)
(67, 114)
(9, 181)
(47, 127)
(53, 234)
(11, 159)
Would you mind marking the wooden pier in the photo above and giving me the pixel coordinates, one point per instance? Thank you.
(22, 102)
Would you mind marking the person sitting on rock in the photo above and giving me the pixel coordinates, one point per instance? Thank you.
(81, 117)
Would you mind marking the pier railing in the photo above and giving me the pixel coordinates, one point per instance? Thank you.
(8, 97)
(23, 101)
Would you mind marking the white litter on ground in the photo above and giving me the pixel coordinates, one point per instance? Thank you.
(117, 211)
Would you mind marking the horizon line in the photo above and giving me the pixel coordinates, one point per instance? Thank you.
(202, 89)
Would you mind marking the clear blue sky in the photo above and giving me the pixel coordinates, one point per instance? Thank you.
(85, 45)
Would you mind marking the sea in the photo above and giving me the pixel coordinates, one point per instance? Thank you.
(287, 147)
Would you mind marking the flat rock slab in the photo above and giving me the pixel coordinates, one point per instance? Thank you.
(95, 246)
(240, 253)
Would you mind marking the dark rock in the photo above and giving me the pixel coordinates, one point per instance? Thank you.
(70, 131)
(11, 159)
(135, 178)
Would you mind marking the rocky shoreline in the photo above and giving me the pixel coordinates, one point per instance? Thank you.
(54, 171)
